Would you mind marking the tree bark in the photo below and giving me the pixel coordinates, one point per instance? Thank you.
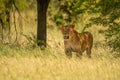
(42, 6)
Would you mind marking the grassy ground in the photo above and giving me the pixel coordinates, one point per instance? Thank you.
(56, 67)
(33, 63)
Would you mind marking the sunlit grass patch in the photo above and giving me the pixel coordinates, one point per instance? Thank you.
(41, 68)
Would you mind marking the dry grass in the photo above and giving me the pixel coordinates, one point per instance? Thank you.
(31, 68)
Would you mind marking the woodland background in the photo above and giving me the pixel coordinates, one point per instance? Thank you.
(24, 56)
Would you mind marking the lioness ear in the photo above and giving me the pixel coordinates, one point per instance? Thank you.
(72, 26)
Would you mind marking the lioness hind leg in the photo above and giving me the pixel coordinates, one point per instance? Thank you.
(68, 53)
(88, 52)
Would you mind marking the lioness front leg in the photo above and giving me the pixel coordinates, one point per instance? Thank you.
(79, 54)
(68, 53)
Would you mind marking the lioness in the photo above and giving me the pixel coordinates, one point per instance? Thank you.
(76, 42)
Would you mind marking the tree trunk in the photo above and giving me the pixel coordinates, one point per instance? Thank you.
(42, 6)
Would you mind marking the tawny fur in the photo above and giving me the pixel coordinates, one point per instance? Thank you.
(76, 42)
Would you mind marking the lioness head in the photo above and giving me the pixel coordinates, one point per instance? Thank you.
(67, 30)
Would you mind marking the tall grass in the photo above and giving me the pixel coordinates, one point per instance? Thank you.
(51, 68)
